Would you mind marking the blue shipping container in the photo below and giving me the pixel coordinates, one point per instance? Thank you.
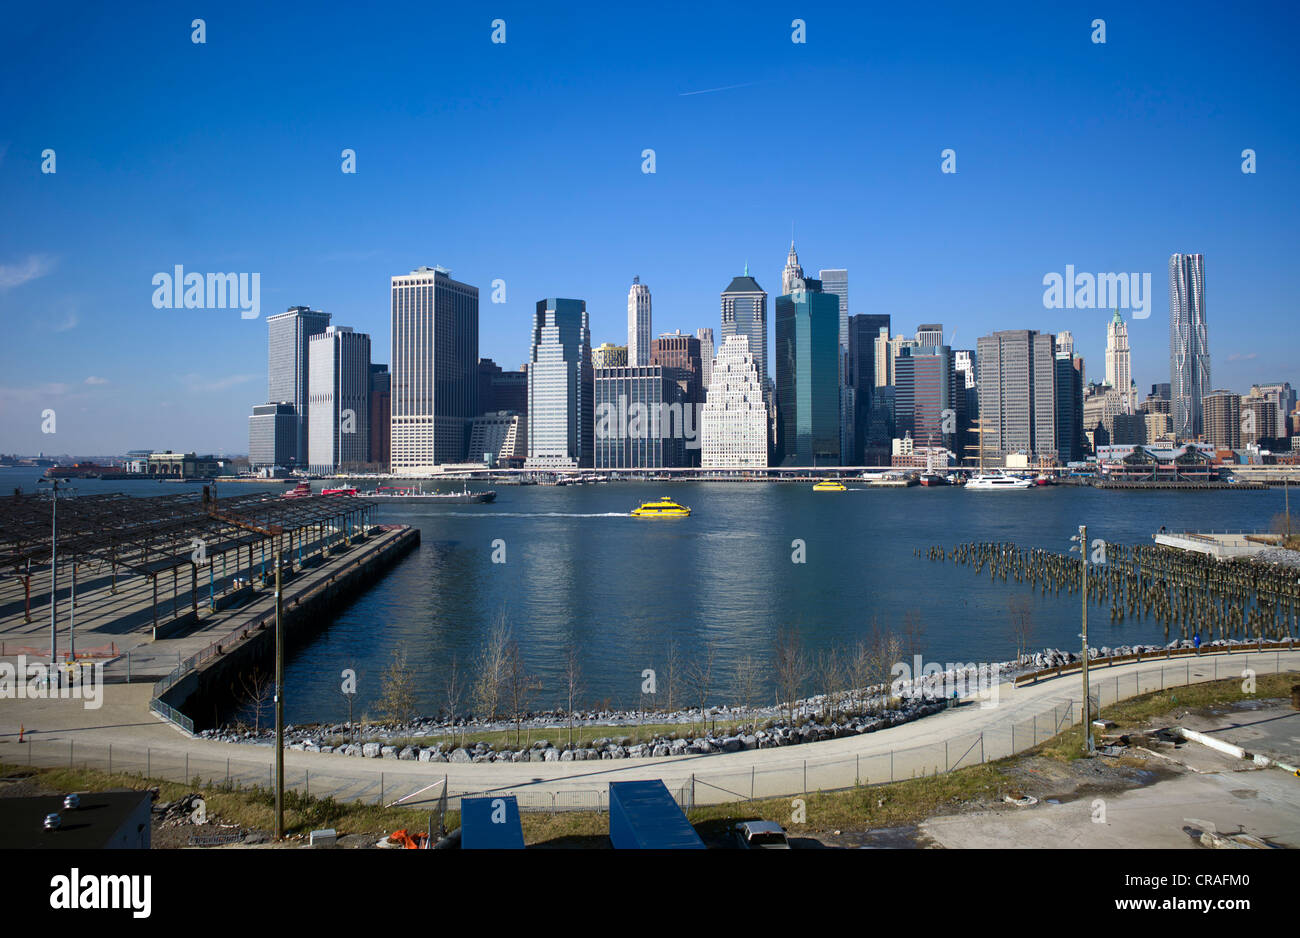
(490, 823)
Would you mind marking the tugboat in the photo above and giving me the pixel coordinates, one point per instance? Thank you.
(829, 485)
(663, 508)
(301, 490)
(931, 479)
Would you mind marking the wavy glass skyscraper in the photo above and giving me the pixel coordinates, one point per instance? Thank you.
(1189, 347)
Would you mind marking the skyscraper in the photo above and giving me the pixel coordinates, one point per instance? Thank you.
(1222, 416)
(272, 435)
(1065, 343)
(434, 367)
(381, 413)
(861, 376)
(1069, 406)
(288, 334)
(929, 334)
(922, 392)
(744, 312)
(733, 424)
(1119, 372)
(707, 351)
(807, 376)
(1017, 380)
(792, 271)
(1189, 348)
(560, 389)
(638, 323)
(338, 399)
(836, 282)
(639, 418)
(608, 355)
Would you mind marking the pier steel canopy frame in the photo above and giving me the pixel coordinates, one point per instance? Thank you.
(149, 536)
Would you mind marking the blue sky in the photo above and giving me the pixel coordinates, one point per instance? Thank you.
(522, 161)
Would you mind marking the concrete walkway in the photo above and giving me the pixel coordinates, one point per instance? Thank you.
(123, 734)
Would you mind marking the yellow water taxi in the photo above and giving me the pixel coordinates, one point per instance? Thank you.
(663, 508)
(829, 485)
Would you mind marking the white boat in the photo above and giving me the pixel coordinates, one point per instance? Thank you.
(996, 482)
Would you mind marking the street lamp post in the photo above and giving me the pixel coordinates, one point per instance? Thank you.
(54, 581)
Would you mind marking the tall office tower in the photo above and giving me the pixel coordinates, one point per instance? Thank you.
(860, 375)
(1103, 408)
(966, 396)
(884, 354)
(836, 282)
(792, 272)
(639, 422)
(807, 379)
(1065, 344)
(608, 355)
(1189, 347)
(338, 396)
(733, 424)
(1119, 370)
(744, 312)
(500, 390)
(272, 435)
(1017, 375)
(435, 369)
(929, 334)
(922, 392)
(381, 413)
(289, 333)
(1161, 391)
(560, 407)
(896, 346)
(1258, 423)
(1222, 416)
(638, 323)
(1069, 407)
(682, 354)
(707, 351)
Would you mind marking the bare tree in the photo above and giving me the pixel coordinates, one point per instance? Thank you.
(453, 691)
(884, 650)
(397, 692)
(829, 675)
(858, 667)
(744, 682)
(520, 685)
(790, 666)
(912, 637)
(1021, 623)
(699, 674)
(256, 692)
(572, 682)
(670, 672)
(486, 692)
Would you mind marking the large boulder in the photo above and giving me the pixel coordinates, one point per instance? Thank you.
(371, 750)
(408, 754)
(460, 756)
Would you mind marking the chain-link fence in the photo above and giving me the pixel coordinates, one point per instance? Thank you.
(769, 773)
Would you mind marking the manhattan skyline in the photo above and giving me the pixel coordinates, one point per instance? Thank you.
(232, 169)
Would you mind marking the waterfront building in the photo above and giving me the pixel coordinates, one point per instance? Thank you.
(434, 369)
(286, 364)
(1069, 408)
(1189, 348)
(734, 422)
(638, 323)
(560, 386)
(608, 355)
(923, 386)
(1189, 462)
(338, 396)
(1222, 417)
(500, 390)
(1119, 370)
(807, 376)
(499, 439)
(1017, 400)
(707, 352)
(272, 437)
(381, 412)
(641, 420)
(744, 312)
(861, 376)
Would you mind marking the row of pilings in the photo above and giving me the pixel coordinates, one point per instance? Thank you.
(1188, 593)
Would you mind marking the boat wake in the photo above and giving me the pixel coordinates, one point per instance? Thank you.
(525, 514)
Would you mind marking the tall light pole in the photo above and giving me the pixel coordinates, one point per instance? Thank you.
(54, 581)
(1082, 538)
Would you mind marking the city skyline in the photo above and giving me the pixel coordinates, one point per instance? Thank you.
(160, 187)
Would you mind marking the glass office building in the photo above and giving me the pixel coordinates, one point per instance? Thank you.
(807, 376)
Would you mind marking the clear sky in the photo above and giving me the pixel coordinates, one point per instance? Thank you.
(522, 161)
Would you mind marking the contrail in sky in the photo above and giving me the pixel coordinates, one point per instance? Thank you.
(711, 90)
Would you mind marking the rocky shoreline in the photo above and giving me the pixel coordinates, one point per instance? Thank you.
(899, 703)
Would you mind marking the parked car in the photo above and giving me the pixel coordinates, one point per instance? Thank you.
(761, 835)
